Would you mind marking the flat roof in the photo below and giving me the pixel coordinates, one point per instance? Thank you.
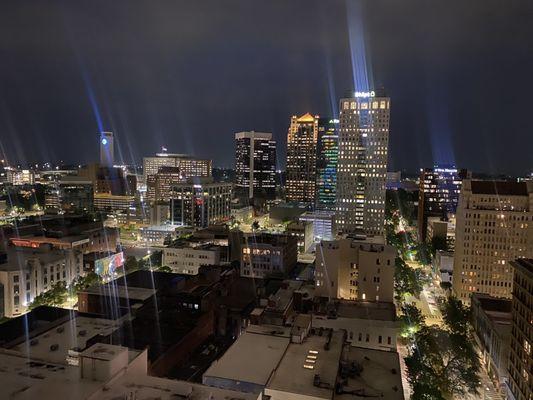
(125, 292)
(382, 311)
(71, 334)
(17, 257)
(377, 378)
(502, 188)
(252, 358)
(292, 377)
(145, 387)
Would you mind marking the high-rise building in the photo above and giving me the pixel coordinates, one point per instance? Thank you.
(438, 194)
(189, 166)
(159, 185)
(107, 149)
(521, 359)
(326, 163)
(301, 159)
(255, 165)
(362, 165)
(358, 268)
(494, 225)
(200, 203)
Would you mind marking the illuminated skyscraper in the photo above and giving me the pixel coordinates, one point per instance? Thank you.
(438, 194)
(493, 227)
(107, 149)
(362, 166)
(255, 165)
(301, 159)
(189, 166)
(326, 163)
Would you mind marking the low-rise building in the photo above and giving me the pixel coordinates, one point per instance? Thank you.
(358, 267)
(372, 325)
(186, 259)
(443, 266)
(265, 254)
(25, 273)
(323, 224)
(303, 231)
(491, 318)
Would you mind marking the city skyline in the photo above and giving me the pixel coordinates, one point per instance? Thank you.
(155, 91)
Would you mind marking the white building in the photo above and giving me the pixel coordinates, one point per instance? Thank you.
(358, 268)
(188, 259)
(443, 265)
(494, 227)
(26, 273)
(371, 325)
(362, 165)
(265, 254)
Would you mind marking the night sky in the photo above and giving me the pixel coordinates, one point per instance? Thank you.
(188, 74)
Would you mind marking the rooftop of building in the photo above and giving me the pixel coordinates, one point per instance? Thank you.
(237, 364)
(501, 188)
(16, 258)
(379, 375)
(356, 309)
(24, 378)
(149, 387)
(268, 238)
(302, 362)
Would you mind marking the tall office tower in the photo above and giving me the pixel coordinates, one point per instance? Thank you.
(159, 185)
(107, 149)
(189, 166)
(301, 159)
(362, 166)
(200, 202)
(521, 360)
(327, 154)
(255, 165)
(494, 225)
(438, 194)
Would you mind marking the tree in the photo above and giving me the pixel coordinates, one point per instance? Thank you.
(407, 280)
(255, 225)
(83, 282)
(164, 268)
(53, 297)
(442, 365)
(411, 320)
(131, 264)
(424, 253)
(456, 315)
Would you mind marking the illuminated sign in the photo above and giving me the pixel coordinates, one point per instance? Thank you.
(108, 265)
(334, 121)
(365, 94)
(104, 141)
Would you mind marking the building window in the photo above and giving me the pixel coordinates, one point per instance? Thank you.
(367, 337)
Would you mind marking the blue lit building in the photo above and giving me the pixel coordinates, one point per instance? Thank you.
(326, 163)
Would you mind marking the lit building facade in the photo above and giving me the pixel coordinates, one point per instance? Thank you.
(255, 165)
(326, 163)
(362, 165)
(521, 359)
(302, 140)
(107, 149)
(264, 254)
(200, 204)
(70, 195)
(494, 225)
(189, 166)
(438, 195)
(159, 185)
(359, 268)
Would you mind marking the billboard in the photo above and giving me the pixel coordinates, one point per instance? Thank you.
(108, 265)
